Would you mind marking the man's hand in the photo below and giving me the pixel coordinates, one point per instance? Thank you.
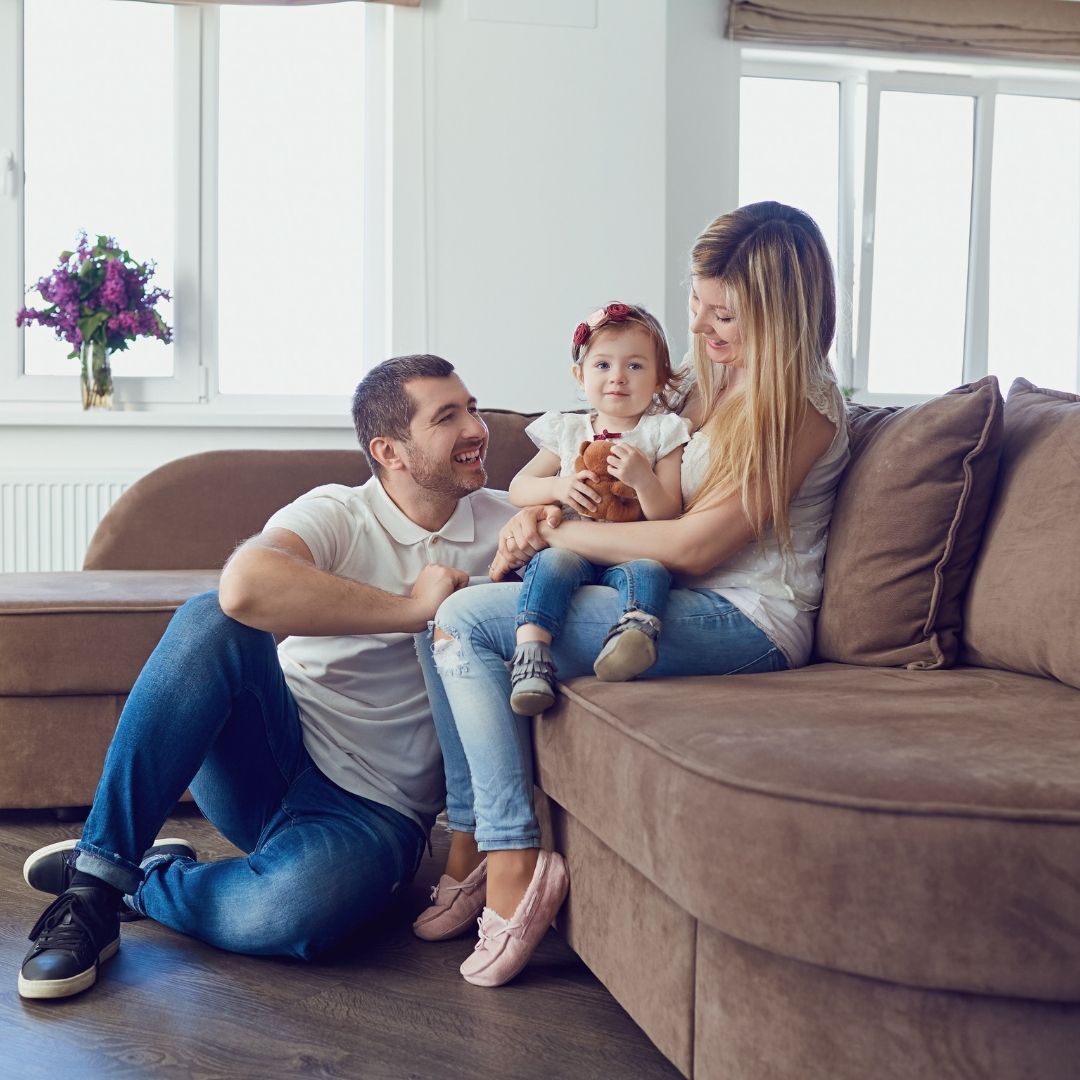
(520, 539)
(432, 586)
(575, 492)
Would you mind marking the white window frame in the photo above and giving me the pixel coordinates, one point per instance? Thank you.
(392, 130)
(976, 312)
(982, 80)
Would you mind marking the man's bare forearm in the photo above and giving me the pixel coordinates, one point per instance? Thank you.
(272, 588)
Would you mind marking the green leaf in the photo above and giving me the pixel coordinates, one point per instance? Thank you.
(65, 255)
(90, 326)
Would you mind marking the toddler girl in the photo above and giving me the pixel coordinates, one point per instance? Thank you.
(621, 361)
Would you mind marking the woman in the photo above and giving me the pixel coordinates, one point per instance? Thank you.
(758, 478)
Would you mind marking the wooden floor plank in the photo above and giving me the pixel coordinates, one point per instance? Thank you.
(386, 1005)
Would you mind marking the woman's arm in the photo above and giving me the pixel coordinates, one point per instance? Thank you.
(691, 544)
(697, 541)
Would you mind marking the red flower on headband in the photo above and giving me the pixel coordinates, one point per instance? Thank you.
(617, 312)
(581, 334)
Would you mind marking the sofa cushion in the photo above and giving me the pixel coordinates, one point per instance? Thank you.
(87, 632)
(1023, 606)
(905, 530)
(896, 824)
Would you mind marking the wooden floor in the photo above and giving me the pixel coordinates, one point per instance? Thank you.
(387, 1006)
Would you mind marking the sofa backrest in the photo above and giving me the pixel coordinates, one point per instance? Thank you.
(191, 513)
(1022, 610)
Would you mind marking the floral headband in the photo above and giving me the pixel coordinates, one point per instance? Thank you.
(613, 313)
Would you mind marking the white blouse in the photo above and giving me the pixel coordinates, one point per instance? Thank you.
(780, 592)
(655, 435)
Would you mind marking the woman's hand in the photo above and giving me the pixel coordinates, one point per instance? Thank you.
(500, 569)
(628, 464)
(520, 538)
(576, 493)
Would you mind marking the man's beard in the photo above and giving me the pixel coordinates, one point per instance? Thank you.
(440, 477)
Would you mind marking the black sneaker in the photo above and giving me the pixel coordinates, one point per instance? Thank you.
(49, 869)
(76, 933)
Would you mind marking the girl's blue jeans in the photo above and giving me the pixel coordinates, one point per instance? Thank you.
(212, 711)
(554, 575)
(487, 749)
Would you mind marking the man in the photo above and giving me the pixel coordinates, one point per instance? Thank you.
(317, 757)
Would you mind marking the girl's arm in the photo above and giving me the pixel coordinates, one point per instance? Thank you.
(538, 483)
(691, 544)
(535, 483)
(658, 489)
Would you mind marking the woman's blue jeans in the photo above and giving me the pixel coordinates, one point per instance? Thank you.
(554, 575)
(212, 711)
(487, 749)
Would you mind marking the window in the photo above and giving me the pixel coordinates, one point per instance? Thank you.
(250, 192)
(948, 198)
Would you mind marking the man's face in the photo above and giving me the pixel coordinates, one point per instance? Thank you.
(447, 440)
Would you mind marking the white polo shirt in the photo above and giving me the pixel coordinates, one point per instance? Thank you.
(365, 713)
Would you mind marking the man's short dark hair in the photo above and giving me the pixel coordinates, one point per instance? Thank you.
(382, 407)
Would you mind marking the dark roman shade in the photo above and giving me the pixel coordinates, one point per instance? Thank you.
(1014, 29)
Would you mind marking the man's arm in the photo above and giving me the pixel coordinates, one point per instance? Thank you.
(271, 582)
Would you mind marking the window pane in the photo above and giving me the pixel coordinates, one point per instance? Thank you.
(289, 214)
(789, 131)
(99, 152)
(1034, 226)
(921, 243)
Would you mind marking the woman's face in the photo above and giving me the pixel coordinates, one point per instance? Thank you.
(713, 317)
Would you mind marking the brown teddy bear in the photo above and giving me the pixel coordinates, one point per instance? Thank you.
(618, 502)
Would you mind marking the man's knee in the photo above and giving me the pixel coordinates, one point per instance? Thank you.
(203, 608)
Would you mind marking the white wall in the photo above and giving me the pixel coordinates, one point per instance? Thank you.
(562, 166)
(568, 166)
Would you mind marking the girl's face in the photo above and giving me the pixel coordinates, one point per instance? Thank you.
(713, 317)
(618, 372)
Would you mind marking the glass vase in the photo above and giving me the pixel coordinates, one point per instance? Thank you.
(97, 383)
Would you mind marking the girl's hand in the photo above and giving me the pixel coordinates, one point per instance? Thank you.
(576, 493)
(628, 464)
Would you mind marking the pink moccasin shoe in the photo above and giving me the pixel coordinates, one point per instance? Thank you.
(455, 905)
(505, 945)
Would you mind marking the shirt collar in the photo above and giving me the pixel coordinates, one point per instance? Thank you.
(461, 527)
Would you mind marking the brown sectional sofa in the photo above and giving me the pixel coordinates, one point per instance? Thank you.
(867, 868)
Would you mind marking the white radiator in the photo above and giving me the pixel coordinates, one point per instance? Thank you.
(48, 516)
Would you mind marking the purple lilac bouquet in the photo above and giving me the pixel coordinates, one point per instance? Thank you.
(98, 302)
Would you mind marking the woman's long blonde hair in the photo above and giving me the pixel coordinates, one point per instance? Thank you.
(775, 264)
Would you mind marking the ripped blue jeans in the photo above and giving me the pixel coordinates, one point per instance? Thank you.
(487, 749)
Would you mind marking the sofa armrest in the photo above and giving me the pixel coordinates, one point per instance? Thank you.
(191, 513)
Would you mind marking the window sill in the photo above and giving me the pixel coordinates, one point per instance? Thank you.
(198, 416)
